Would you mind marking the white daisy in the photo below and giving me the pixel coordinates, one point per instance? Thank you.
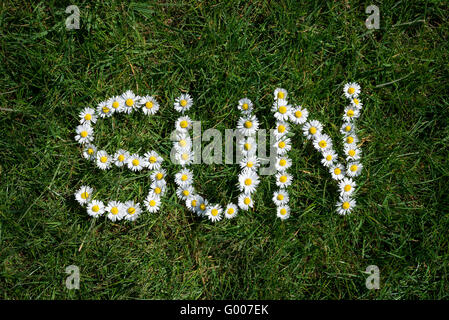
(89, 152)
(152, 202)
(183, 124)
(88, 116)
(245, 105)
(132, 210)
(283, 212)
(283, 179)
(183, 141)
(329, 157)
(337, 171)
(283, 163)
(347, 186)
(183, 103)
(84, 134)
(248, 146)
(282, 128)
(121, 157)
(184, 158)
(281, 110)
(248, 181)
(103, 160)
(357, 103)
(184, 178)
(351, 113)
(280, 94)
(158, 189)
(312, 128)
(245, 201)
(130, 101)
(250, 162)
(248, 125)
(202, 206)
(116, 104)
(283, 145)
(104, 110)
(353, 169)
(95, 208)
(115, 210)
(158, 175)
(351, 140)
(192, 202)
(347, 128)
(322, 142)
(136, 162)
(184, 192)
(352, 152)
(153, 160)
(280, 197)
(345, 205)
(84, 194)
(351, 90)
(299, 115)
(230, 211)
(214, 213)
(149, 105)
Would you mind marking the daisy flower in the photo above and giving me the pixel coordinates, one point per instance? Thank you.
(183, 142)
(152, 202)
(158, 189)
(280, 197)
(280, 94)
(347, 186)
(103, 160)
(281, 110)
(183, 124)
(202, 206)
(135, 162)
(283, 212)
(351, 113)
(158, 175)
(352, 152)
(312, 128)
(248, 125)
(95, 208)
(84, 134)
(184, 158)
(104, 110)
(184, 178)
(245, 201)
(356, 103)
(121, 157)
(282, 128)
(149, 105)
(351, 90)
(214, 213)
(115, 210)
(250, 162)
(89, 152)
(183, 103)
(282, 146)
(230, 211)
(283, 179)
(322, 142)
(130, 101)
(248, 181)
(354, 169)
(84, 194)
(248, 146)
(351, 140)
(245, 105)
(345, 205)
(337, 171)
(193, 202)
(329, 157)
(283, 163)
(116, 104)
(299, 115)
(153, 160)
(347, 128)
(184, 192)
(88, 116)
(132, 210)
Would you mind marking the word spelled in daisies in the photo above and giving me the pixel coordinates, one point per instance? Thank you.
(247, 156)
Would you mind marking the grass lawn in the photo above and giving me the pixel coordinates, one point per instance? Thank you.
(219, 53)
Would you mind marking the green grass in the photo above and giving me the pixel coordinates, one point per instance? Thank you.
(221, 52)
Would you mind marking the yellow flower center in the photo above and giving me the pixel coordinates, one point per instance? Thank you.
(185, 156)
(328, 157)
(337, 171)
(84, 195)
(114, 210)
(245, 106)
(231, 211)
(105, 109)
(184, 124)
(280, 95)
(350, 113)
(348, 128)
(345, 205)
(159, 176)
(95, 208)
(90, 151)
(247, 146)
(351, 90)
(131, 210)
(349, 140)
(298, 114)
(248, 124)
(152, 159)
(281, 128)
(88, 117)
(121, 158)
(83, 134)
(103, 159)
(312, 130)
(214, 212)
(282, 162)
(249, 164)
(353, 168)
(280, 197)
(152, 203)
(247, 201)
(186, 193)
(149, 104)
(323, 144)
(157, 190)
(193, 203)
(129, 102)
(351, 152)
(203, 206)
(135, 162)
(282, 109)
(115, 104)
(283, 179)
(347, 188)
(182, 143)
(184, 177)
(281, 144)
(356, 101)
(283, 211)
(248, 182)
(183, 102)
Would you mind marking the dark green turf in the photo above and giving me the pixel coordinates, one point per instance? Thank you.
(221, 52)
